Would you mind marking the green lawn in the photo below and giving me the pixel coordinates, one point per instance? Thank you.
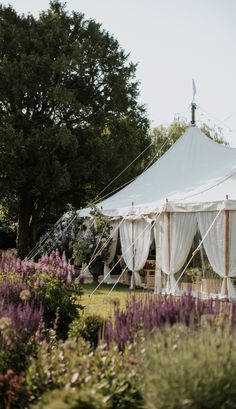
(100, 302)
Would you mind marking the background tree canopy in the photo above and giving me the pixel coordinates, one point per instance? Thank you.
(70, 120)
(164, 137)
(69, 116)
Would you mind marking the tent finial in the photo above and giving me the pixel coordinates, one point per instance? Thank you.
(193, 104)
(193, 109)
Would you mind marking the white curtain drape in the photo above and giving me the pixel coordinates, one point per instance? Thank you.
(215, 246)
(112, 251)
(182, 228)
(135, 238)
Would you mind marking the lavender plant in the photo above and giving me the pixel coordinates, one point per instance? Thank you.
(54, 264)
(33, 296)
(150, 312)
(18, 324)
(10, 263)
(51, 284)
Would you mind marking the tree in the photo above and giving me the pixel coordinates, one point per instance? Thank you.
(69, 116)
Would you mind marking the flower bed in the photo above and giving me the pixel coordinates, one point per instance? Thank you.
(51, 357)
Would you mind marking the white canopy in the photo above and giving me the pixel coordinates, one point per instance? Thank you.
(195, 174)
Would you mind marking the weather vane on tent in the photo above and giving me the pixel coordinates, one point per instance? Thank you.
(193, 104)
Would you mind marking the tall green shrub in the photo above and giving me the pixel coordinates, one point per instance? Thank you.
(190, 369)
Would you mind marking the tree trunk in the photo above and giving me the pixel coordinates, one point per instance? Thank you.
(25, 226)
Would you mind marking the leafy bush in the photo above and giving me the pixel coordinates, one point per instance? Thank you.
(71, 398)
(103, 372)
(190, 369)
(7, 231)
(60, 302)
(12, 390)
(88, 327)
(92, 239)
(17, 343)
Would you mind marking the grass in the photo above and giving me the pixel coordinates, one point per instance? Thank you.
(100, 302)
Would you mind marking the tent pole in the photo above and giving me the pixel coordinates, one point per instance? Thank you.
(132, 281)
(168, 239)
(226, 241)
(158, 280)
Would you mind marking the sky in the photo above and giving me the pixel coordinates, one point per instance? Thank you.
(172, 41)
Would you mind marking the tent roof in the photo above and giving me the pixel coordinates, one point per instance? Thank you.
(195, 174)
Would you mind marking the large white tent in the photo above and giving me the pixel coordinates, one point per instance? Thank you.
(192, 186)
(195, 174)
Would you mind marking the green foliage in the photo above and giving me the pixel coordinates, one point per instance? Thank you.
(214, 133)
(87, 327)
(13, 358)
(106, 374)
(71, 398)
(92, 240)
(60, 302)
(53, 363)
(7, 229)
(164, 137)
(190, 369)
(195, 274)
(68, 106)
(192, 275)
(13, 393)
